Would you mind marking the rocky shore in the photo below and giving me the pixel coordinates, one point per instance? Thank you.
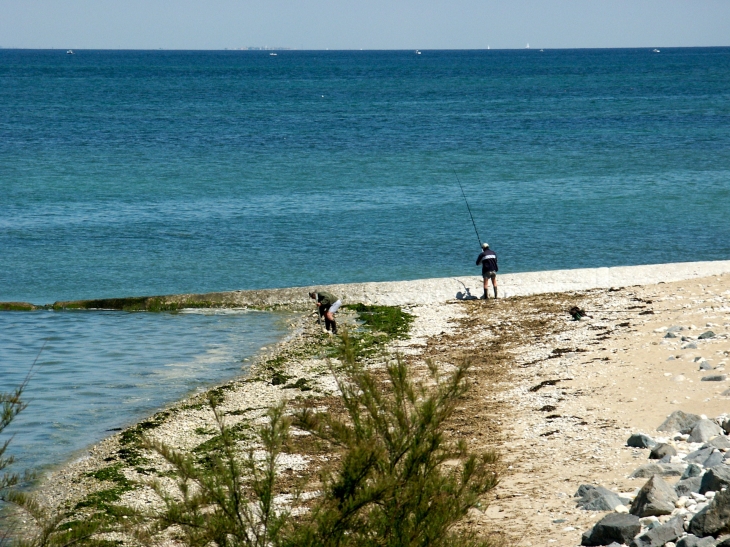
(558, 397)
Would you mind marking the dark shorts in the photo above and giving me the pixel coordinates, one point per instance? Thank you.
(489, 275)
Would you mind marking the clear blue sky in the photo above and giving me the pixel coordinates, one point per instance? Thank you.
(366, 24)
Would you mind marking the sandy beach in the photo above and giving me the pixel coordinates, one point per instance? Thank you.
(558, 398)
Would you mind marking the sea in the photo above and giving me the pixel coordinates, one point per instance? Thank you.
(131, 173)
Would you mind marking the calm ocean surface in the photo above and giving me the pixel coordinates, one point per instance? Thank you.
(139, 173)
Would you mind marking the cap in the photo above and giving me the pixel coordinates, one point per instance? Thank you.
(485, 245)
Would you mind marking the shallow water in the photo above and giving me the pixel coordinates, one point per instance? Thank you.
(102, 370)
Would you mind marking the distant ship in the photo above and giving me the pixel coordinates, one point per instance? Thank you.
(418, 52)
(655, 50)
(70, 52)
(527, 46)
(272, 54)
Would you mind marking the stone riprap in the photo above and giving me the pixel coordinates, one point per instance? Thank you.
(693, 512)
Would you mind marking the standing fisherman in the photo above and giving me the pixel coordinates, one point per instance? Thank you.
(328, 304)
(488, 259)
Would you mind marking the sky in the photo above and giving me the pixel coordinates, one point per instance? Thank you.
(362, 24)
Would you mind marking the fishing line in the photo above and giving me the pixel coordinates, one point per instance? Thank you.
(468, 208)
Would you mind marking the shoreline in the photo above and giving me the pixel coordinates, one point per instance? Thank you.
(411, 292)
(444, 330)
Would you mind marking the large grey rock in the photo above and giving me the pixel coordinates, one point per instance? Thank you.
(714, 378)
(703, 431)
(679, 421)
(715, 479)
(705, 335)
(598, 498)
(713, 519)
(699, 456)
(687, 486)
(662, 450)
(639, 440)
(721, 441)
(663, 469)
(693, 470)
(693, 541)
(618, 527)
(724, 543)
(714, 460)
(657, 537)
(655, 498)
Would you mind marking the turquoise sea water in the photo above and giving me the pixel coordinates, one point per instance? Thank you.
(138, 173)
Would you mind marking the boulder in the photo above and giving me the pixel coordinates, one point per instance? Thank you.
(687, 486)
(679, 421)
(714, 460)
(713, 519)
(670, 335)
(724, 543)
(663, 469)
(693, 541)
(715, 479)
(617, 527)
(655, 498)
(705, 335)
(703, 431)
(659, 536)
(714, 378)
(699, 456)
(693, 470)
(639, 440)
(598, 498)
(721, 441)
(662, 450)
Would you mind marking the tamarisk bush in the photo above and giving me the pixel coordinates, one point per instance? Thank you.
(396, 480)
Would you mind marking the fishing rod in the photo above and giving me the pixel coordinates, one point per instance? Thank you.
(468, 208)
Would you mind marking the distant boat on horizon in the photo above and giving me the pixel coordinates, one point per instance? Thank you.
(272, 54)
(655, 50)
(418, 52)
(70, 52)
(527, 46)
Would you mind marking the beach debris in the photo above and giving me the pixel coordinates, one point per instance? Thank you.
(577, 313)
(714, 378)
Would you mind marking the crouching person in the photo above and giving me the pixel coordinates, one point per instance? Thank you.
(328, 305)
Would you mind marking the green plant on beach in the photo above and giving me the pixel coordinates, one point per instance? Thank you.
(397, 481)
(230, 501)
(393, 485)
